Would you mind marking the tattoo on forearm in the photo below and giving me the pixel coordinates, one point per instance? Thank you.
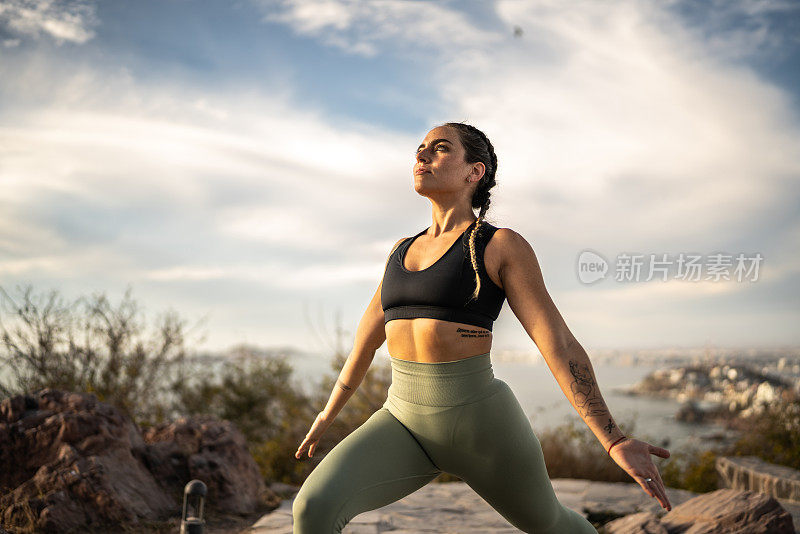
(610, 426)
(465, 332)
(342, 385)
(584, 391)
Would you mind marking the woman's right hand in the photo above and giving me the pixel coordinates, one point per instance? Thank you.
(633, 456)
(321, 424)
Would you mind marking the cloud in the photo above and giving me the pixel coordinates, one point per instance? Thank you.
(152, 174)
(617, 127)
(627, 117)
(304, 278)
(743, 29)
(620, 126)
(624, 111)
(62, 21)
(369, 28)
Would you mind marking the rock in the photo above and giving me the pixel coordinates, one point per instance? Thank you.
(794, 510)
(690, 412)
(436, 507)
(724, 511)
(640, 523)
(729, 511)
(616, 499)
(213, 451)
(71, 463)
(455, 507)
(752, 473)
(285, 491)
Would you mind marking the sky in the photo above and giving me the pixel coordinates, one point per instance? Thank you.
(248, 164)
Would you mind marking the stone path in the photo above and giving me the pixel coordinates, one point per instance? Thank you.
(455, 507)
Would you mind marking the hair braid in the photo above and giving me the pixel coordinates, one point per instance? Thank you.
(478, 148)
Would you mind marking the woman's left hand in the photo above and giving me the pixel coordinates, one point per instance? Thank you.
(633, 456)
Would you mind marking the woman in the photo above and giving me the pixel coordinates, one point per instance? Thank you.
(445, 411)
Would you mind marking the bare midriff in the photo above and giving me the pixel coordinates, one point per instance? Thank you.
(433, 340)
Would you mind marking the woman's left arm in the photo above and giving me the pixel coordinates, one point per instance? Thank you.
(528, 298)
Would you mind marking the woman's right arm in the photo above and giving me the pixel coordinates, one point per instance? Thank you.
(370, 335)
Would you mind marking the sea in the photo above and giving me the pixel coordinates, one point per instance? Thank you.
(646, 418)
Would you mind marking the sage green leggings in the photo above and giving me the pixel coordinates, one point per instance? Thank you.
(453, 417)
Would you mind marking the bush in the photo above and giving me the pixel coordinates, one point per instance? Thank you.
(691, 470)
(772, 435)
(367, 399)
(259, 395)
(91, 346)
(571, 450)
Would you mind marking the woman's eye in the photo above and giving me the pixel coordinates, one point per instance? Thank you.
(437, 148)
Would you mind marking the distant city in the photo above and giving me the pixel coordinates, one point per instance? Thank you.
(780, 362)
(724, 381)
(790, 356)
(783, 359)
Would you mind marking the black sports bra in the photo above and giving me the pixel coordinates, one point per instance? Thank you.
(442, 290)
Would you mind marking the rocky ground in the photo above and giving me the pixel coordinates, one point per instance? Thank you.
(455, 507)
(70, 463)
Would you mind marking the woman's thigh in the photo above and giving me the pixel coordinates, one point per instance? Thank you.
(378, 463)
(500, 457)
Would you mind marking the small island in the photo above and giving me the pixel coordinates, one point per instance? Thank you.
(719, 391)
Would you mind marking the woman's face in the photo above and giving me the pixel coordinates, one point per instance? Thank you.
(440, 163)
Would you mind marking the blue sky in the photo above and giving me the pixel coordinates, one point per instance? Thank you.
(248, 163)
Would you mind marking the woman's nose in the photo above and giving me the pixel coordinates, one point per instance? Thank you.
(422, 156)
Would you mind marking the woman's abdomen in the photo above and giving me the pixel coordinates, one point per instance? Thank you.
(434, 340)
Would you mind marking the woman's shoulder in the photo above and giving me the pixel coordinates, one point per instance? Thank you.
(397, 244)
(502, 234)
(505, 244)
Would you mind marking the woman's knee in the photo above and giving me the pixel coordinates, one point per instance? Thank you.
(571, 521)
(314, 512)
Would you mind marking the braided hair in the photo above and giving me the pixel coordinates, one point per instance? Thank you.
(477, 148)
